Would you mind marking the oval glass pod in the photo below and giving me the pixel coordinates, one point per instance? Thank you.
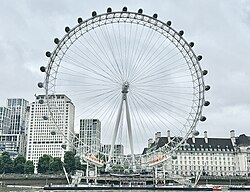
(196, 133)
(203, 118)
(40, 85)
(206, 103)
(42, 69)
(109, 9)
(140, 11)
(48, 54)
(79, 20)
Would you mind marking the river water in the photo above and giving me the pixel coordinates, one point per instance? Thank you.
(9, 189)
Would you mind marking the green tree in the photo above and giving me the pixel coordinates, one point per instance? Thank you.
(69, 161)
(56, 165)
(79, 165)
(19, 163)
(29, 167)
(6, 163)
(44, 164)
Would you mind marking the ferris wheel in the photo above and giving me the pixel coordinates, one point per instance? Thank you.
(135, 74)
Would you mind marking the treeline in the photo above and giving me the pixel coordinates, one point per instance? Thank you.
(18, 165)
(46, 164)
(54, 165)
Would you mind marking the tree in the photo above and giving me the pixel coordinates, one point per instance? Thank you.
(69, 161)
(79, 165)
(44, 164)
(56, 165)
(19, 163)
(6, 163)
(29, 167)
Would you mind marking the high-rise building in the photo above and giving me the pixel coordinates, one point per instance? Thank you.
(18, 123)
(90, 135)
(50, 134)
(4, 120)
(13, 125)
(14, 144)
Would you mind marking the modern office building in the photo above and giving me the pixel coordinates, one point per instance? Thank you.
(19, 122)
(14, 144)
(118, 156)
(50, 133)
(204, 156)
(4, 120)
(90, 136)
(13, 125)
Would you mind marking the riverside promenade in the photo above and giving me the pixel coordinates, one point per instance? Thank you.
(42, 180)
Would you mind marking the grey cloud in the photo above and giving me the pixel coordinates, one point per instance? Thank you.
(220, 30)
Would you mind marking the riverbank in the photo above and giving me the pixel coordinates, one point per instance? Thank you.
(32, 180)
(42, 180)
(224, 180)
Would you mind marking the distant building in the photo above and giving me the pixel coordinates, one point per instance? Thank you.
(13, 126)
(14, 144)
(18, 123)
(205, 156)
(90, 136)
(50, 135)
(118, 156)
(4, 120)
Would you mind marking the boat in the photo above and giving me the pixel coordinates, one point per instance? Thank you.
(239, 187)
(217, 188)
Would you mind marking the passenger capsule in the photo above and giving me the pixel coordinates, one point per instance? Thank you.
(67, 29)
(204, 72)
(79, 20)
(191, 44)
(124, 9)
(94, 14)
(169, 23)
(48, 54)
(186, 145)
(206, 103)
(174, 157)
(199, 57)
(63, 146)
(45, 118)
(155, 16)
(203, 118)
(196, 133)
(40, 85)
(53, 133)
(207, 87)
(56, 41)
(109, 10)
(181, 32)
(42, 69)
(140, 11)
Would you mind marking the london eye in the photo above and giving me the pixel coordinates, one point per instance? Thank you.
(134, 73)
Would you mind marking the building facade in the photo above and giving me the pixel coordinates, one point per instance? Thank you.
(13, 126)
(14, 144)
(50, 133)
(118, 156)
(205, 156)
(4, 120)
(19, 122)
(90, 136)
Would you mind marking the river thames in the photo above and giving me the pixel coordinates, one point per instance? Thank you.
(16, 189)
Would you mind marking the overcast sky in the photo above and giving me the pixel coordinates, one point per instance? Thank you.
(220, 30)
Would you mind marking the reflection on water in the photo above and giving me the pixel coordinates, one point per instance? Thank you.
(8, 189)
